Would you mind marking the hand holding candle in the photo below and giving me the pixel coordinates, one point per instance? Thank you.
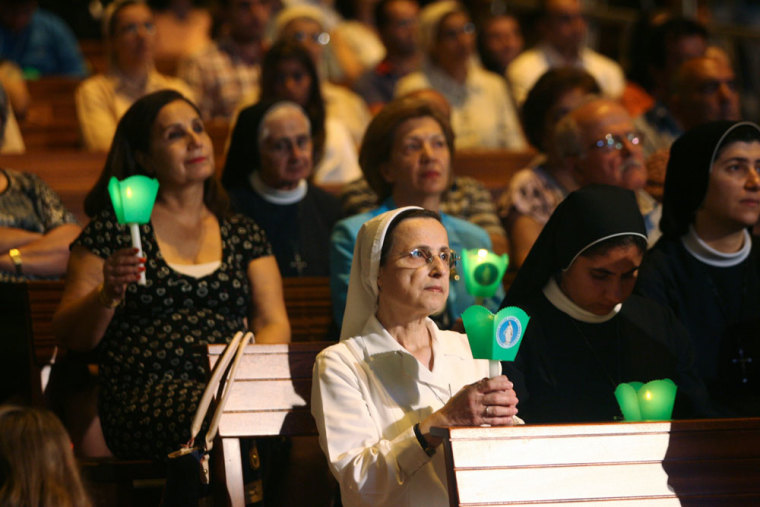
(133, 200)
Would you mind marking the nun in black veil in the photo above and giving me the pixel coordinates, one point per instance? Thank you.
(587, 333)
(706, 266)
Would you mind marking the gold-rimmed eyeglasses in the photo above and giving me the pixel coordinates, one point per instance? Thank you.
(418, 257)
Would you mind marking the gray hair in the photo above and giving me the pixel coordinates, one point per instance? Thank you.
(568, 137)
(263, 132)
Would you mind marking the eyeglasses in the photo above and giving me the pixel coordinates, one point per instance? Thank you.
(420, 256)
(453, 33)
(615, 142)
(133, 28)
(321, 38)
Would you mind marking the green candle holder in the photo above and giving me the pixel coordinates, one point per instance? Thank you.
(495, 336)
(652, 401)
(483, 271)
(133, 199)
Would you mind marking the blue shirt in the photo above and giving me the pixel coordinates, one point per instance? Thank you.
(462, 235)
(46, 45)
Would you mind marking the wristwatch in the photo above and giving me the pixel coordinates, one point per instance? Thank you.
(15, 256)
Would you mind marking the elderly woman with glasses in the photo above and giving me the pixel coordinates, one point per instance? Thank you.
(482, 112)
(394, 375)
(101, 100)
(406, 159)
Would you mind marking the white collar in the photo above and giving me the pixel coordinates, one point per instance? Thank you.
(276, 196)
(564, 304)
(705, 253)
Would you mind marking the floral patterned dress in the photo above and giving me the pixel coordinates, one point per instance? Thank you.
(151, 370)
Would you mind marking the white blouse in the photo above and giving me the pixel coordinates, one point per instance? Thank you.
(367, 394)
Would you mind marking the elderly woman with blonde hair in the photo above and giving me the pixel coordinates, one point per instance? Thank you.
(482, 113)
(101, 100)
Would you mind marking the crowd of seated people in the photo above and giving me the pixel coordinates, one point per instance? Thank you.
(629, 233)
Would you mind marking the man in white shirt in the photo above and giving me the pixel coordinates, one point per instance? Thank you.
(563, 33)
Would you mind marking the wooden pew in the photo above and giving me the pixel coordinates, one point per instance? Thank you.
(493, 168)
(699, 462)
(34, 346)
(270, 397)
(70, 173)
(307, 301)
(51, 122)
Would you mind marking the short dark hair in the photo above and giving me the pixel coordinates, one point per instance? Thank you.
(668, 32)
(377, 144)
(543, 96)
(381, 12)
(133, 135)
(404, 215)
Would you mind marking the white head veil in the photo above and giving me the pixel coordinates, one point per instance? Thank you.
(361, 300)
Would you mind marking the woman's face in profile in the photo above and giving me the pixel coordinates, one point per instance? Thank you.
(180, 148)
(134, 36)
(732, 199)
(292, 82)
(407, 282)
(599, 283)
(420, 160)
(286, 149)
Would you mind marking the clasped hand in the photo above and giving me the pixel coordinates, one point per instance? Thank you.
(489, 401)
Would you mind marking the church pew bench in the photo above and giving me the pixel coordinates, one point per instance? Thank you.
(51, 121)
(308, 304)
(493, 168)
(307, 301)
(270, 397)
(696, 462)
(70, 173)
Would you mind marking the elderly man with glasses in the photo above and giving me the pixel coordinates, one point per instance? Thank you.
(597, 143)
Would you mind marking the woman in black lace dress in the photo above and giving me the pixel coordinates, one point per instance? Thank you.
(209, 274)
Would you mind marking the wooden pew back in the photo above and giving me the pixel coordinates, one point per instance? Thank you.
(270, 396)
(70, 173)
(701, 462)
(307, 301)
(51, 122)
(271, 392)
(493, 168)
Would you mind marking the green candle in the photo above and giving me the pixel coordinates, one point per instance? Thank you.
(133, 200)
(483, 271)
(652, 401)
(495, 336)
(656, 399)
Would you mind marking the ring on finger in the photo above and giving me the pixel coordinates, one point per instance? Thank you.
(488, 410)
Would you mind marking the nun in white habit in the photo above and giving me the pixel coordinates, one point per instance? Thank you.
(394, 374)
